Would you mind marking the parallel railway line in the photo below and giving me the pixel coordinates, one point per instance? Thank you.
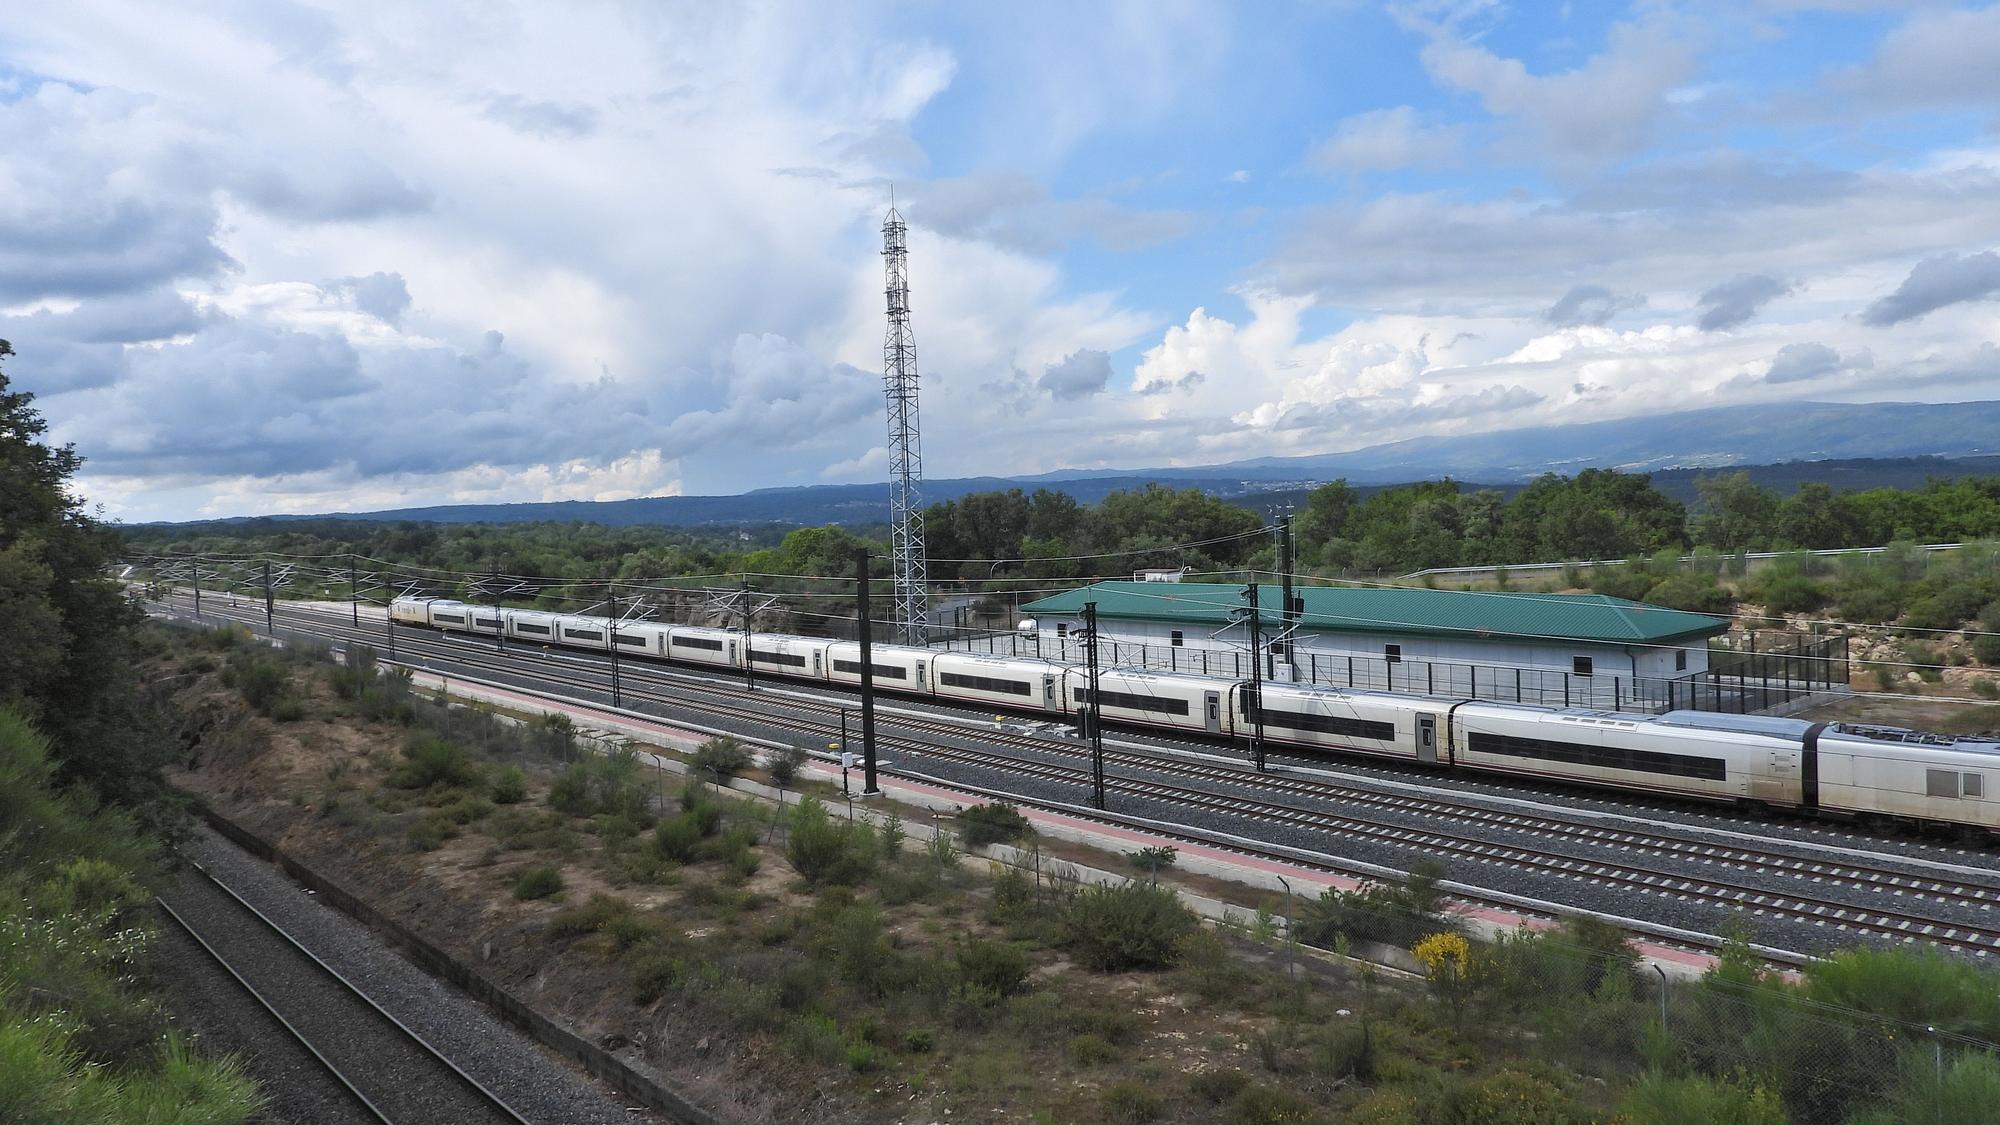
(1887, 891)
(391, 1073)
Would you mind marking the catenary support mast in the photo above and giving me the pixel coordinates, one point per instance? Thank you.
(906, 463)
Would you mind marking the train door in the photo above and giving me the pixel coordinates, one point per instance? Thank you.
(732, 652)
(1049, 701)
(921, 685)
(816, 664)
(1427, 739)
(1212, 712)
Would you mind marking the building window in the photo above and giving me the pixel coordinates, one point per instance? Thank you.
(1177, 638)
(1062, 630)
(1680, 660)
(1392, 653)
(1580, 665)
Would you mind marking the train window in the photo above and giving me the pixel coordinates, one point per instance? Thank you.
(698, 642)
(630, 641)
(527, 627)
(1131, 701)
(1603, 757)
(1177, 638)
(1680, 660)
(883, 671)
(1941, 783)
(1580, 665)
(583, 634)
(984, 683)
(453, 618)
(1975, 785)
(1392, 653)
(789, 659)
(1326, 724)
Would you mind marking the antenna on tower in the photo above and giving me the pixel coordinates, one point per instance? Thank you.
(906, 463)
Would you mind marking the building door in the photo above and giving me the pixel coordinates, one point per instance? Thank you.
(1427, 739)
(1214, 712)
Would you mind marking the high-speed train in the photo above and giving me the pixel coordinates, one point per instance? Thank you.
(1830, 769)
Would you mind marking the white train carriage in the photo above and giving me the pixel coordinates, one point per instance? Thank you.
(780, 654)
(1003, 681)
(411, 611)
(577, 631)
(1684, 753)
(1410, 727)
(641, 638)
(1906, 775)
(533, 625)
(1161, 699)
(695, 644)
(897, 668)
(455, 616)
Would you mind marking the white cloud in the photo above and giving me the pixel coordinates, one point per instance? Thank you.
(1384, 140)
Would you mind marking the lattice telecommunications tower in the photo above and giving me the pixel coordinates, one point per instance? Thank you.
(906, 461)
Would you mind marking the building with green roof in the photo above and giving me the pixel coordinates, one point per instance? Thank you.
(1488, 644)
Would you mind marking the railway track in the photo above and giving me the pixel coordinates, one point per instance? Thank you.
(392, 1074)
(1878, 893)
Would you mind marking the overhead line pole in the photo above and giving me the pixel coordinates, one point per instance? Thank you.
(1093, 718)
(353, 592)
(749, 676)
(612, 635)
(197, 585)
(1256, 701)
(865, 634)
(270, 605)
(1286, 558)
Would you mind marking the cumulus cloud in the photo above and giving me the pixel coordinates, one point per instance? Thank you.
(1797, 362)
(1936, 57)
(1946, 279)
(85, 346)
(777, 393)
(872, 464)
(383, 296)
(1604, 108)
(1080, 374)
(1187, 382)
(1589, 304)
(1384, 140)
(1735, 301)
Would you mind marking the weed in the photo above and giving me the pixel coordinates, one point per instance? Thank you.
(1217, 1086)
(1088, 1050)
(995, 823)
(538, 882)
(1130, 1103)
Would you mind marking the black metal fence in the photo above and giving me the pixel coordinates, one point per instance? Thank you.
(1783, 671)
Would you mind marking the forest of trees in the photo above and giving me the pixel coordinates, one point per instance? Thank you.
(85, 813)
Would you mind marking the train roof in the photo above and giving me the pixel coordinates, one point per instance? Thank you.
(1964, 744)
(1776, 726)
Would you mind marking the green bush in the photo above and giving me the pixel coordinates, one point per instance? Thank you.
(996, 966)
(1965, 1092)
(1088, 1050)
(719, 759)
(1694, 593)
(288, 709)
(1632, 583)
(1868, 599)
(1154, 860)
(995, 823)
(430, 833)
(825, 851)
(1264, 1105)
(1217, 1086)
(1134, 926)
(1660, 1099)
(510, 786)
(1130, 1103)
(783, 765)
(655, 969)
(1780, 589)
(538, 882)
(679, 838)
(1398, 915)
(430, 761)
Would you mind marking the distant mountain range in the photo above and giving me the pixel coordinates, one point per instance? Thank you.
(1848, 445)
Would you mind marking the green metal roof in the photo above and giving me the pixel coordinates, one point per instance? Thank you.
(1593, 618)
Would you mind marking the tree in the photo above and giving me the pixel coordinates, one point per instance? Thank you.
(1325, 516)
(69, 631)
(1738, 512)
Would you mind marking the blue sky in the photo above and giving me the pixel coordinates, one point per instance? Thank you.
(271, 255)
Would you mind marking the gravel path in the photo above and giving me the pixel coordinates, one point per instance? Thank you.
(530, 1080)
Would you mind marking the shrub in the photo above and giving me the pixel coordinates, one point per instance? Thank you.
(1154, 860)
(825, 851)
(538, 882)
(678, 838)
(1397, 915)
(1506, 1096)
(430, 833)
(429, 760)
(999, 967)
(288, 709)
(1660, 1099)
(1690, 592)
(1091, 1050)
(1131, 1103)
(592, 917)
(1632, 583)
(1986, 687)
(655, 969)
(783, 765)
(1134, 926)
(1263, 1105)
(1783, 590)
(919, 1041)
(510, 786)
(1217, 1086)
(719, 759)
(995, 823)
